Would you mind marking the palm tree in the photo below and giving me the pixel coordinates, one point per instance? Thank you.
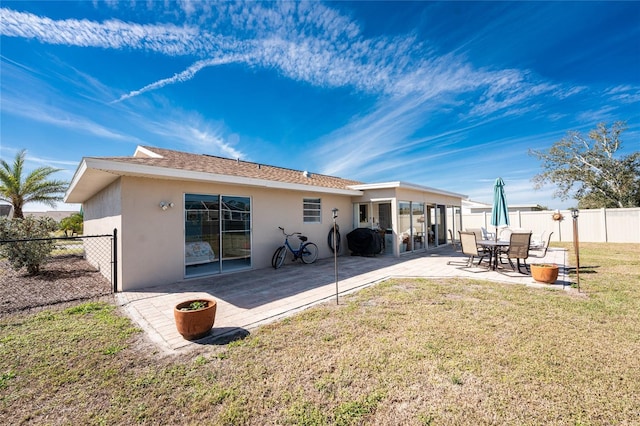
(34, 188)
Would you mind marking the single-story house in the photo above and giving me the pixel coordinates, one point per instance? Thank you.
(180, 215)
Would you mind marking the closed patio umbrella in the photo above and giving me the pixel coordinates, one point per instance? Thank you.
(500, 210)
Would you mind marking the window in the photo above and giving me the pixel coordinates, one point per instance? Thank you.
(312, 211)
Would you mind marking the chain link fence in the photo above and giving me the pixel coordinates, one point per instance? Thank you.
(77, 268)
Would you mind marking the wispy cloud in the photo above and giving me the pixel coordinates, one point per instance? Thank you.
(626, 94)
(370, 138)
(604, 114)
(28, 96)
(304, 41)
(32, 162)
(49, 162)
(197, 133)
(509, 89)
(33, 110)
(183, 76)
(111, 34)
(313, 43)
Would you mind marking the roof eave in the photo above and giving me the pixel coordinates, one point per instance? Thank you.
(94, 174)
(88, 180)
(406, 185)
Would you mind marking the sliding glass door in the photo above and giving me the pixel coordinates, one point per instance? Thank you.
(404, 226)
(418, 226)
(412, 226)
(217, 234)
(441, 234)
(436, 224)
(236, 233)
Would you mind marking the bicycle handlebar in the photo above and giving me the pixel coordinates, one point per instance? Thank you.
(288, 235)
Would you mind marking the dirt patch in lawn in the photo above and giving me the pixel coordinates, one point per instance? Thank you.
(62, 279)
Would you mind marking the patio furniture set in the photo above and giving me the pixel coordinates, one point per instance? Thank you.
(510, 246)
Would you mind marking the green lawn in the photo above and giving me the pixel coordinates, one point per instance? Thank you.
(408, 352)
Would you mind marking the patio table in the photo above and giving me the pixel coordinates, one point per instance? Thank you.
(494, 247)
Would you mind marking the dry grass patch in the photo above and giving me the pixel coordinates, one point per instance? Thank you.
(409, 352)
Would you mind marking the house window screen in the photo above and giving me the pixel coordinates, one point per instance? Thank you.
(311, 210)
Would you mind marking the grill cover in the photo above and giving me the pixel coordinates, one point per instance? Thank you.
(364, 242)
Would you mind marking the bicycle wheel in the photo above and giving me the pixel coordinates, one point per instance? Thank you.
(278, 257)
(309, 253)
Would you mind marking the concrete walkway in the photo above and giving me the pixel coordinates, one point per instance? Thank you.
(249, 299)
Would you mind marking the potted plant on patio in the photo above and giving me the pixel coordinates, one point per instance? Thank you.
(544, 272)
(195, 318)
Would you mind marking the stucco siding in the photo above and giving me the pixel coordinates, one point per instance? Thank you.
(153, 243)
(281, 208)
(153, 239)
(102, 214)
(105, 203)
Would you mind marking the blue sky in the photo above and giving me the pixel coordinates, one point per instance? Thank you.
(444, 94)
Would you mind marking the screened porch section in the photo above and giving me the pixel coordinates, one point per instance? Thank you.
(417, 226)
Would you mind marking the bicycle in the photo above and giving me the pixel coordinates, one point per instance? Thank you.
(307, 251)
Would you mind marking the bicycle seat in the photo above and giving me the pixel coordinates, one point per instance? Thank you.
(302, 238)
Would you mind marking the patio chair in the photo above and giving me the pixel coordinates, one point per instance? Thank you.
(518, 249)
(477, 231)
(479, 236)
(470, 248)
(541, 251)
(505, 234)
(486, 235)
(537, 243)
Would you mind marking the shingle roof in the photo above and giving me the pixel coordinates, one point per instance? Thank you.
(230, 167)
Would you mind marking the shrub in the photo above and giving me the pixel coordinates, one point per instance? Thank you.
(72, 224)
(27, 254)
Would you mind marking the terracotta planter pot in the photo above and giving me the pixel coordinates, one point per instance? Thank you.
(544, 273)
(195, 324)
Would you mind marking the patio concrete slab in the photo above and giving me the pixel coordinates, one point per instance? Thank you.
(252, 298)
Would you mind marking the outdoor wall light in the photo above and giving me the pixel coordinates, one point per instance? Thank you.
(165, 205)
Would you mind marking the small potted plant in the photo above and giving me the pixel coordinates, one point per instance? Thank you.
(195, 318)
(544, 272)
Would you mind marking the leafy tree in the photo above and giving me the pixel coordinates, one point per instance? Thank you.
(35, 187)
(72, 223)
(590, 164)
(28, 254)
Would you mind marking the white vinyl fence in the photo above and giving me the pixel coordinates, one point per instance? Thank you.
(597, 225)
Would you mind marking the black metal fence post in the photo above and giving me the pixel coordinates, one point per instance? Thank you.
(114, 272)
